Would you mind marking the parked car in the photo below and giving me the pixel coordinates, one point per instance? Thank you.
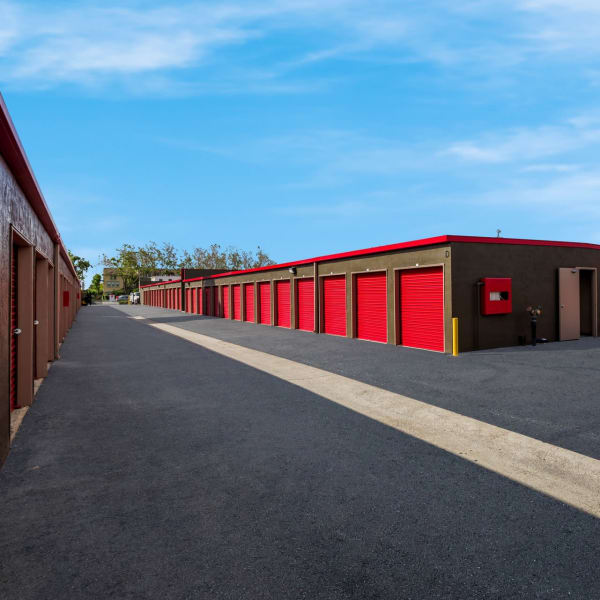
(123, 299)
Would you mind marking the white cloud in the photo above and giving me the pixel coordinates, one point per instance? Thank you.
(46, 44)
(573, 197)
(527, 144)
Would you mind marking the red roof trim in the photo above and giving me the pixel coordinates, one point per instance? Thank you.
(161, 283)
(432, 241)
(13, 153)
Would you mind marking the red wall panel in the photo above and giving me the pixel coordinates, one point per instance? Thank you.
(334, 305)
(305, 304)
(237, 305)
(371, 306)
(249, 302)
(282, 303)
(422, 308)
(225, 295)
(216, 304)
(264, 302)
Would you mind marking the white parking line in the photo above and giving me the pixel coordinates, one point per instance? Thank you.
(562, 474)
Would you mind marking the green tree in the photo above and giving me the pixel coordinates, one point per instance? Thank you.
(81, 265)
(132, 262)
(126, 265)
(96, 285)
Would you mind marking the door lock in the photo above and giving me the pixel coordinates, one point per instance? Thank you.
(17, 331)
(36, 322)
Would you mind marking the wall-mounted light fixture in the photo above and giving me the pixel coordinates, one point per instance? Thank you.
(292, 270)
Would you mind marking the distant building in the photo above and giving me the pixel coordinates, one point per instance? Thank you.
(112, 283)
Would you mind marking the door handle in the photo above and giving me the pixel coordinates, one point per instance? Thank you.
(36, 322)
(17, 331)
(562, 305)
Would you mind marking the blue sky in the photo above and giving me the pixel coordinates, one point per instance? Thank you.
(307, 126)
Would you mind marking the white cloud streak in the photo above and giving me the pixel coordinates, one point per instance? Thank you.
(47, 44)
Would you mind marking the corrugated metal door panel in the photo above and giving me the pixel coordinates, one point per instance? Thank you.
(371, 306)
(282, 303)
(207, 301)
(249, 302)
(237, 305)
(216, 306)
(200, 301)
(305, 304)
(264, 302)
(13, 326)
(334, 305)
(188, 300)
(422, 308)
(225, 293)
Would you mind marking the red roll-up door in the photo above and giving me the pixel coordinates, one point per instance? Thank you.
(225, 295)
(188, 300)
(264, 302)
(200, 301)
(334, 305)
(13, 326)
(371, 306)
(237, 306)
(207, 301)
(216, 306)
(305, 304)
(249, 302)
(422, 308)
(282, 303)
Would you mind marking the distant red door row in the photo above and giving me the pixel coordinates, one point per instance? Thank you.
(420, 292)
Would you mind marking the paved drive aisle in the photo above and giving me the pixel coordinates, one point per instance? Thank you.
(150, 467)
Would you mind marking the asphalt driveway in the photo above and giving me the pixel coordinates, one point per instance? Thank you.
(149, 467)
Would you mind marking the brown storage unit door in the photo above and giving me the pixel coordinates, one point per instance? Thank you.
(334, 305)
(422, 308)
(225, 295)
(371, 306)
(305, 304)
(237, 306)
(13, 326)
(282, 303)
(264, 302)
(249, 302)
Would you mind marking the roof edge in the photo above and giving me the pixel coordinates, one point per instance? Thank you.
(432, 241)
(14, 154)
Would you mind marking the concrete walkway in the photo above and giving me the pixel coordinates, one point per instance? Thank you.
(150, 467)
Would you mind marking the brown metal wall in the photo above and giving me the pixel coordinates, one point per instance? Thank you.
(534, 273)
(17, 215)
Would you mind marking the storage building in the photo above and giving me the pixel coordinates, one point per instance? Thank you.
(39, 286)
(408, 293)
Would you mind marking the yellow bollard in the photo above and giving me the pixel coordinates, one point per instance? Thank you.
(454, 336)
